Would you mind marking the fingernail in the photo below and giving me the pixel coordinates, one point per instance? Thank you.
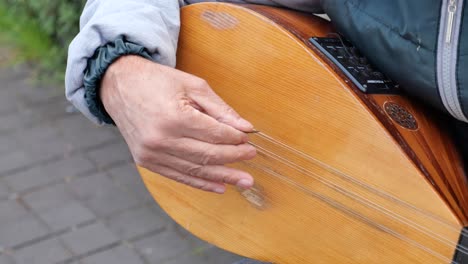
(246, 125)
(252, 152)
(219, 190)
(245, 183)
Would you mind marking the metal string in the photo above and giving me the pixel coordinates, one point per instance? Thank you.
(351, 212)
(356, 197)
(365, 202)
(348, 178)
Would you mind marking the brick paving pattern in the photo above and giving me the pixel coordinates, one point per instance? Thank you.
(69, 192)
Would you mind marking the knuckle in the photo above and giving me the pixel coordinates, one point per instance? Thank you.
(198, 184)
(206, 158)
(180, 179)
(206, 187)
(227, 111)
(210, 157)
(200, 84)
(245, 153)
(196, 170)
(183, 117)
(182, 110)
(228, 178)
(216, 134)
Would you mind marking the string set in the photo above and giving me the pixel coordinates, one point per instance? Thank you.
(354, 196)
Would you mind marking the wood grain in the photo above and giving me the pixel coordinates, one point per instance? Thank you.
(430, 147)
(336, 184)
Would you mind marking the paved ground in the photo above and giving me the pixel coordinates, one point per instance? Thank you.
(70, 194)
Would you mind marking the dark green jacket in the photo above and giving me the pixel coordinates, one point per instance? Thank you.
(421, 44)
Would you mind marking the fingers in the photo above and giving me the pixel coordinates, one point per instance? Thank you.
(198, 164)
(211, 173)
(215, 107)
(220, 174)
(192, 181)
(205, 128)
(203, 153)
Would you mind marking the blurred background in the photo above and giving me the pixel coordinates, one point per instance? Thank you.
(69, 192)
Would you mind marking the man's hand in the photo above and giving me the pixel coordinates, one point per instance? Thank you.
(175, 125)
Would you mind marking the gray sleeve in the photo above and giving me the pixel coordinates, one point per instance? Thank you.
(153, 24)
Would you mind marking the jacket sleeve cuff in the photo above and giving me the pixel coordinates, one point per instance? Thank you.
(96, 68)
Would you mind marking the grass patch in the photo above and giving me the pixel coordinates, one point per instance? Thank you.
(38, 32)
(24, 35)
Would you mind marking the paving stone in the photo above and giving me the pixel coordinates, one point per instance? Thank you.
(202, 251)
(35, 93)
(216, 255)
(57, 148)
(44, 114)
(89, 134)
(127, 176)
(28, 116)
(136, 222)
(111, 154)
(11, 73)
(14, 120)
(4, 191)
(44, 141)
(89, 238)
(15, 160)
(155, 206)
(42, 144)
(56, 170)
(4, 259)
(21, 159)
(196, 244)
(19, 86)
(6, 104)
(7, 143)
(45, 252)
(190, 258)
(118, 255)
(66, 215)
(102, 195)
(20, 231)
(36, 134)
(48, 198)
(10, 211)
(163, 246)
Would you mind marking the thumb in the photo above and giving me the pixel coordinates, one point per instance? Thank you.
(215, 107)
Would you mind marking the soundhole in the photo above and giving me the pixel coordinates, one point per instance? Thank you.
(400, 115)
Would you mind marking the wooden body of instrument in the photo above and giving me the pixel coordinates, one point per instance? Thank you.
(337, 179)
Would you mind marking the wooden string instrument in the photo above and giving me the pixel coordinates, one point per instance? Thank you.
(341, 176)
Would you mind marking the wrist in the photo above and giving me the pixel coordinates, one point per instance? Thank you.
(124, 67)
(98, 67)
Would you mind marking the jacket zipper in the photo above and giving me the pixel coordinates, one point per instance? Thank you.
(447, 57)
(451, 10)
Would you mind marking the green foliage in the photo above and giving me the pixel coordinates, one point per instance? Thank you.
(40, 31)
